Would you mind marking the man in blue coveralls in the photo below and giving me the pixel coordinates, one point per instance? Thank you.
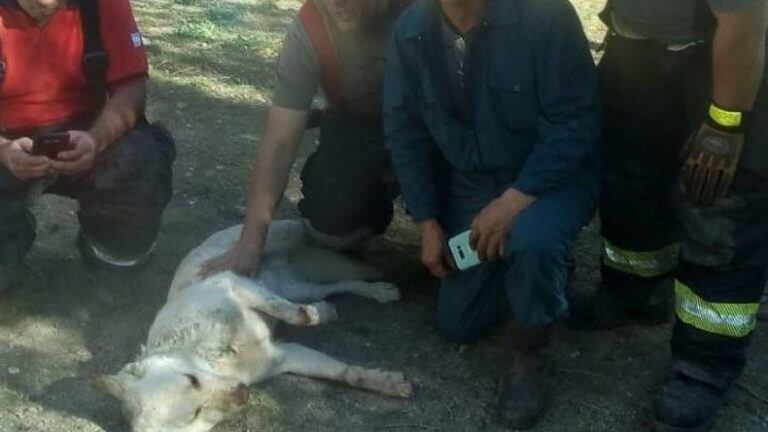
(490, 110)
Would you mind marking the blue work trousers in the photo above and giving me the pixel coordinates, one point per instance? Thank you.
(529, 282)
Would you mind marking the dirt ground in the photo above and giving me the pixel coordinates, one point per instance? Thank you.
(211, 68)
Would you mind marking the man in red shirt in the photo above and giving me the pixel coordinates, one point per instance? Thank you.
(79, 67)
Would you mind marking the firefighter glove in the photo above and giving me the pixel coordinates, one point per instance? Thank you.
(712, 155)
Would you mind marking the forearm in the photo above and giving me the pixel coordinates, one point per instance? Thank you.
(738, 58)
(268, 183)
(122, 110)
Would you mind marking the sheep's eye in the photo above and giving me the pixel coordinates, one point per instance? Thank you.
(193, 380)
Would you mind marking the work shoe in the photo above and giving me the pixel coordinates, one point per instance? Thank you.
(686, 405)
(603, 311)
(524, 394)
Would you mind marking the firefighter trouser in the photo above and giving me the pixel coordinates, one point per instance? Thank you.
(653, 100)
(529, 282)
(348, 185)
(121, 201)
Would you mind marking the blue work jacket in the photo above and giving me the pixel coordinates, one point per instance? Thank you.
(533, 95)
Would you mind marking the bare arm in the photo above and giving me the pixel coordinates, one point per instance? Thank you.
(269, 178)
(738, 57)
(118, 116)
(124, 108)
(738, 62)
(277, 151)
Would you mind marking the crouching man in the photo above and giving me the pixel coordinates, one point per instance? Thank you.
(491, 115)
(339, 47)
(78, 70)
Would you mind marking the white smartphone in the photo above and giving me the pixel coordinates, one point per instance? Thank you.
(463, 254)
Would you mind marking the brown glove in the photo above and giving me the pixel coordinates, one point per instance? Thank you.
(712, 155)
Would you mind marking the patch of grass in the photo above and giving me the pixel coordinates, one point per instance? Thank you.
(198, 30)
(225, 13)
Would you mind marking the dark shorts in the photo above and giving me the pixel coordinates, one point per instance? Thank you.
(348, 184)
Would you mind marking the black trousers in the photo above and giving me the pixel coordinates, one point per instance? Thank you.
(348, 184)
(653, 100)
(121, 200)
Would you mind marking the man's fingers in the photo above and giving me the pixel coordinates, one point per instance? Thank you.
(210, 266)
(482, 248)
(26, 144)
(448, 259)
(494, 248)
(69, 166)
(700, 176)
(711, 182)
(439, 271)
(23, 160)
(725, 184)
(69, 155)
(474, 237)
(435, 266)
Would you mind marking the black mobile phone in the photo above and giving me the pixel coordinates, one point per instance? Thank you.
(51, 144)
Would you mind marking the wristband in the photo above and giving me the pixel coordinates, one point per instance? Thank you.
(725, 118)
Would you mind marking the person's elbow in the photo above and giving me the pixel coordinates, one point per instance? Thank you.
(285, 129)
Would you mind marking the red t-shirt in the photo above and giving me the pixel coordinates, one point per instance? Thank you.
(44, 81)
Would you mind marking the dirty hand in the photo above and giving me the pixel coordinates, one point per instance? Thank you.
(80, 158)
(17, 158)
(434, 253)
(711, 157)
(242, 258)
(490, 227)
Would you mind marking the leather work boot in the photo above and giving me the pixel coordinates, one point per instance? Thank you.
(524, 393)
(686, 405)
(604, 311)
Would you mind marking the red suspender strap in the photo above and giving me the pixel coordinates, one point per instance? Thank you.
(2, 60)
(330, 69)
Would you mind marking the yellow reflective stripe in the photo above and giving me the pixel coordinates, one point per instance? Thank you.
(726, 319)
(724, 117)
(643, 264)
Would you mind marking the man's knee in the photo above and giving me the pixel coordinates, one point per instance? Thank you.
(345, 220)
(536, 245)
(137, 170)
(121, 211)
(348, 241)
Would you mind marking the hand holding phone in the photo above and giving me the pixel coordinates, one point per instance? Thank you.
(463, 255)
(50, 145)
